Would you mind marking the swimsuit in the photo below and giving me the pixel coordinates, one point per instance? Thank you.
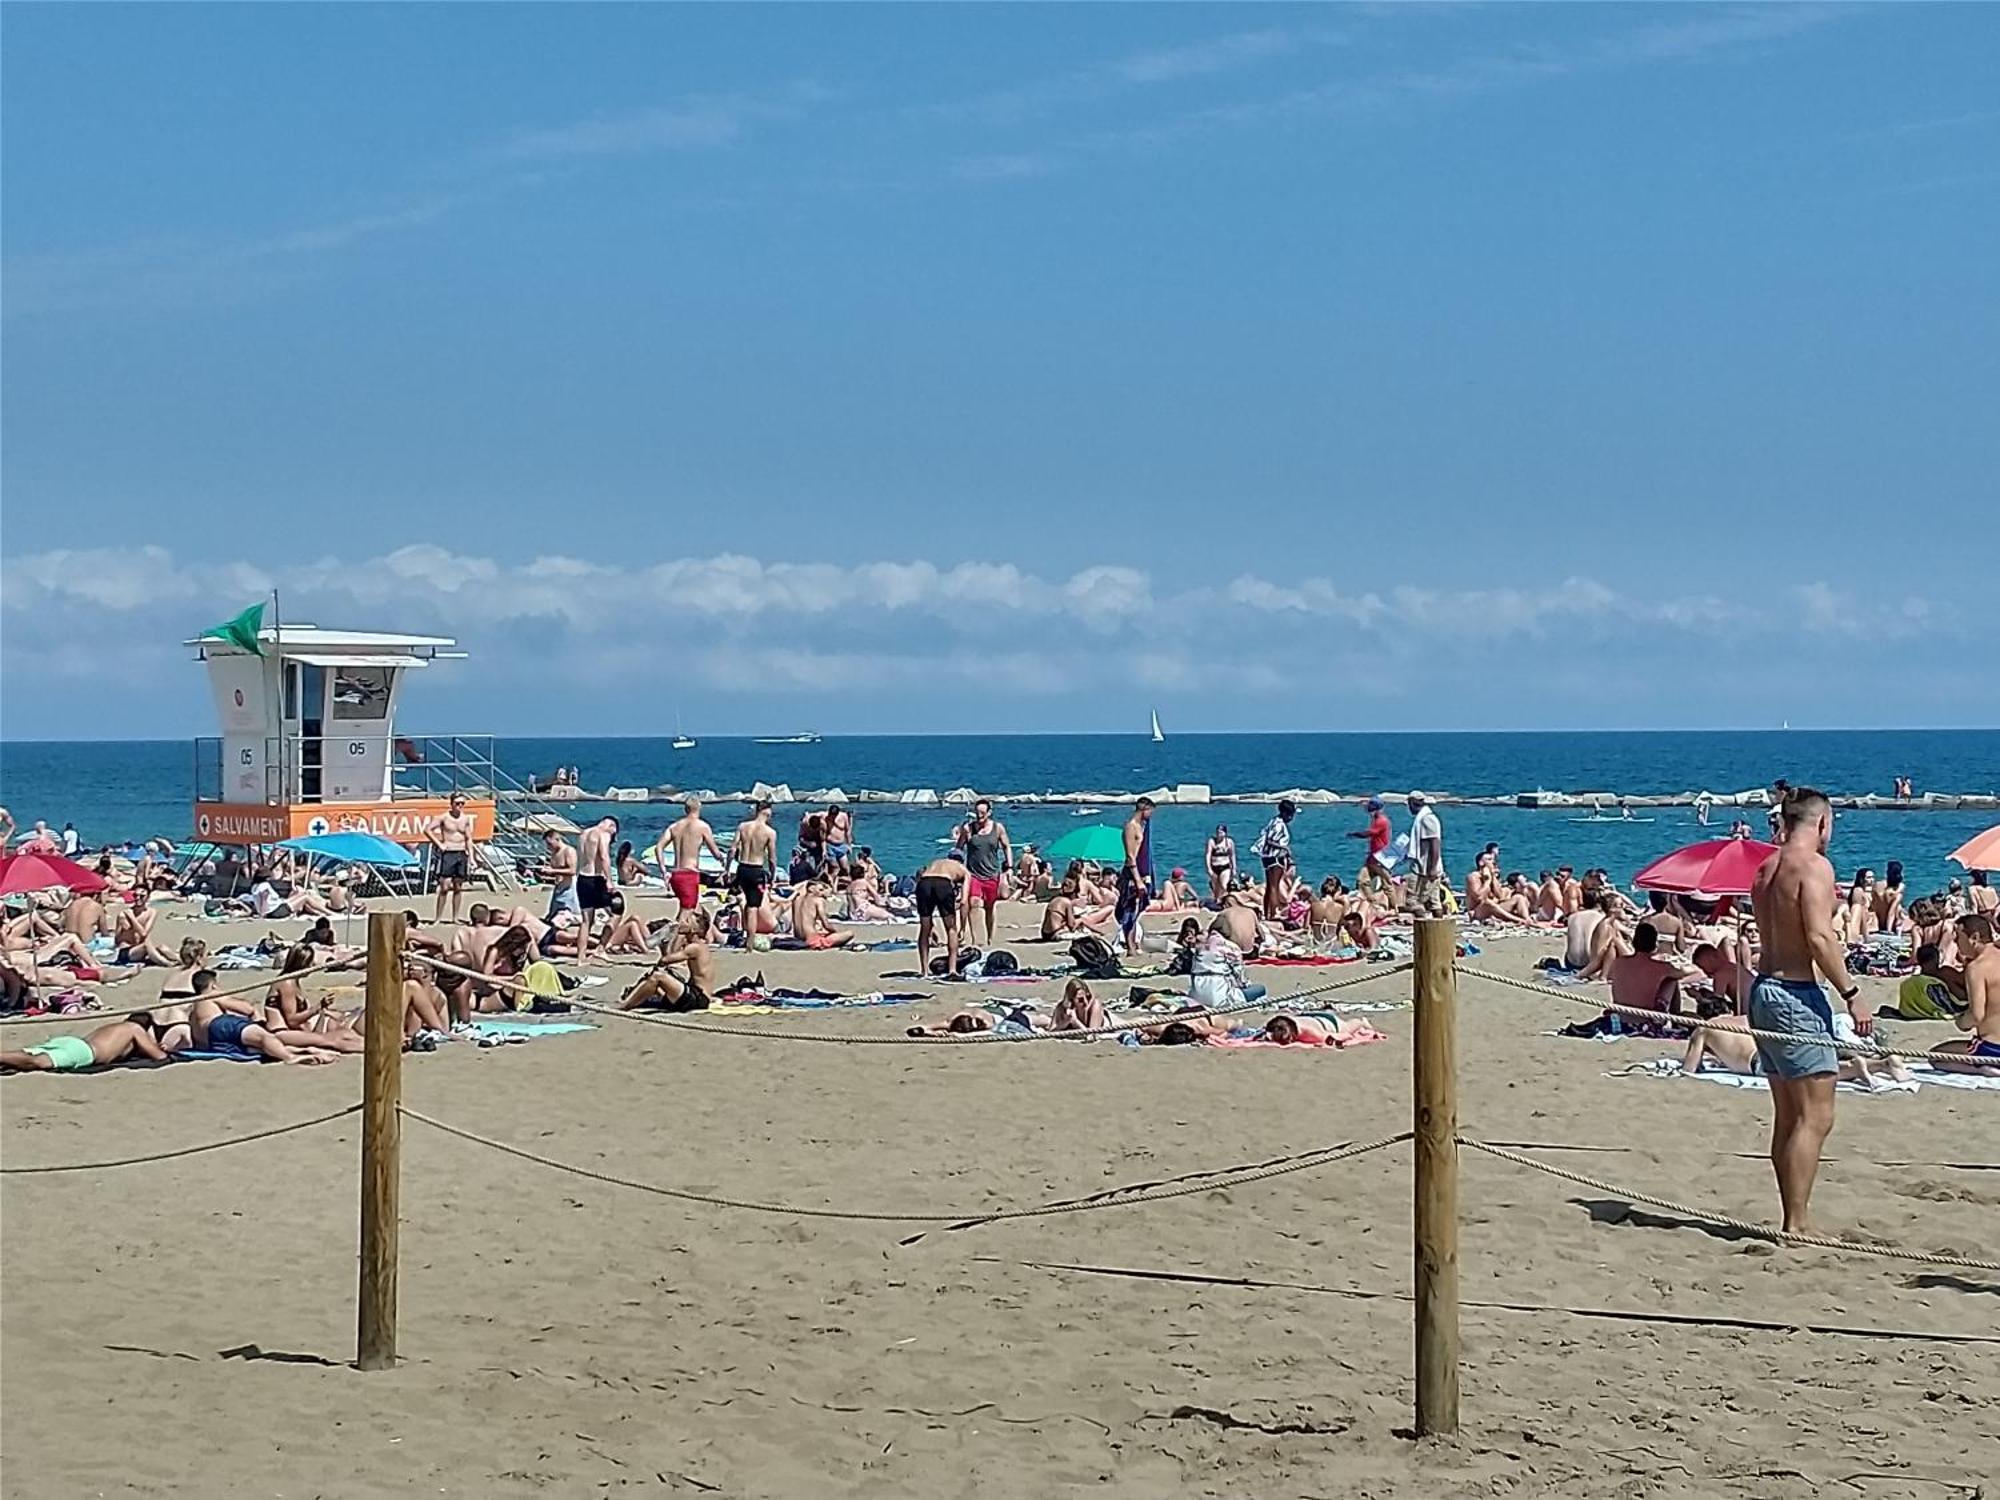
(1981, 1048)
(751, 880)
(982, 864)
(1797, 1005)
(68, 1054)
(686, 886)
(452, 864)
(936, 894)
(593, 892)
(225, 1034)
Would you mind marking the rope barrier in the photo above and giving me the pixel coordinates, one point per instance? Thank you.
(1697, 1023)
(1761, 1231)
(1615, 1314)
(137, 1161)
(111, 1013)
(1325, 1158)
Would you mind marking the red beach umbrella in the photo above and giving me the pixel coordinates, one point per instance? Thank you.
(1981, 851)
(21, 873)
(1714, 867)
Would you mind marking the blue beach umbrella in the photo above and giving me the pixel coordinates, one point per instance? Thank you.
(354, 848)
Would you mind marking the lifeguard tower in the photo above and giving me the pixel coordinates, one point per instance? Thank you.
(309, 742)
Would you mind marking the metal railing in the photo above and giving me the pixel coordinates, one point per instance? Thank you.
(420, 765)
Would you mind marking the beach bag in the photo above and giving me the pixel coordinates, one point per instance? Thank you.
(965, 956)
(1094, 959)
(1000, 963)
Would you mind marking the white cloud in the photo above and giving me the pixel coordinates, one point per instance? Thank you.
(1215, 55)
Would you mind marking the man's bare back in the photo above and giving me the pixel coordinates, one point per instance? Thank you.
(688, 836)
(1785, 895)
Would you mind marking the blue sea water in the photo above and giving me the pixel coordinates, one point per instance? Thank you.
(115, 790)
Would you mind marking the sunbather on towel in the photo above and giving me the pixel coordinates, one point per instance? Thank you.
(107, 1044)
(687, 946)
(1735, 1051)
(286, 1007)
(230, 1025)
(1324, 1030)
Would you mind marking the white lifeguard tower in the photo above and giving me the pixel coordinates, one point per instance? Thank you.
(309, 742)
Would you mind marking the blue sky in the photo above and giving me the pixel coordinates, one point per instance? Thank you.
(960, 368)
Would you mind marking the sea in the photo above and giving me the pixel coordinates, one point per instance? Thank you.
(116, 791)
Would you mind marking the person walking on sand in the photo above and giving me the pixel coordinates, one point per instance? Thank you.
(1135, 876)
(983, 837)
(1792, 896)
(755, 851)
(593, 879)
(450, 836)
(1427, 851)
(689, 835)
(1274, 848)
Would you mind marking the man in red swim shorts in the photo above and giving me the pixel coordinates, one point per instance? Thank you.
(688, 836)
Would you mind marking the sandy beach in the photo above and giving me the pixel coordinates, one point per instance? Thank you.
(185, 1328)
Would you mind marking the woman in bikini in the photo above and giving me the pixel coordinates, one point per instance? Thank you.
(1221, 861)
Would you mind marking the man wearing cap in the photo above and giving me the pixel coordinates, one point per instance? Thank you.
(1427, 852)
(1375, 865)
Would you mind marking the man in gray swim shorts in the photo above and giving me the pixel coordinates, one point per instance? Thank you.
(1792, 895)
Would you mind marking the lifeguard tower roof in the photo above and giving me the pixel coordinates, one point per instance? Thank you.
(341, 648)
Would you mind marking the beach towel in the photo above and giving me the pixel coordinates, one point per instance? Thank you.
(1923, 1076)
(769, 1002)
(1317, 961)
(1353, 1036)
(521, 1026)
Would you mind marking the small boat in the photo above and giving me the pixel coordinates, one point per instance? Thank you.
(683, 742)
(1601, 818)
(1158, 738)
(807, 738)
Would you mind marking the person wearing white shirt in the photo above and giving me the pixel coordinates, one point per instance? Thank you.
(1427, 851)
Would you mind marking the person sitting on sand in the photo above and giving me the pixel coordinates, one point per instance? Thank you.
(133, 933)
(424, 1007)
(1935, 992)
(864, 900)
(687, 947)
(809, 921)
(1482, 887)
(1549, 898)
(1067, 915)
(1079, 1009)
(1031, 872)
(1641, 979)
(628, 934)
(1241, 922)
(1981, 1016)
(1889, 897)
(285, 1005)
(506, 958)
(1176, 895)
(1667, 922)
(99, 1048)
(1325, 911)
(85, 917)
(1931, 924)
(1719, 964)
(1727, 1040)
(1854, 920)
(1217, 978)
(1606, 939)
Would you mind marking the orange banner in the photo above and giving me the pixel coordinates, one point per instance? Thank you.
(404, 820)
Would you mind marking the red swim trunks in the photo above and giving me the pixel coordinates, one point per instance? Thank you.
(687, 888)
(982, 892)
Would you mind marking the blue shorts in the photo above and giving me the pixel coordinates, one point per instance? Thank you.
(225, 1033)
(1793, 1005)
(1985, 1051)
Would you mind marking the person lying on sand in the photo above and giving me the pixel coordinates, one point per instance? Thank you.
(1358, 930)
(1728, 1041)
(1322, 1028)
(809, 923)
(687, 946)
(105, 1045)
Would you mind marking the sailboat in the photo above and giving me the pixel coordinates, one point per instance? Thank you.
(681, 741)
(1158, 738)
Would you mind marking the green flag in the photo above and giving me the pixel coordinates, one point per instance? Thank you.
(240, 631)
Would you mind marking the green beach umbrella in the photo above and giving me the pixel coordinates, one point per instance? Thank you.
(240, 630)
(1100, 843)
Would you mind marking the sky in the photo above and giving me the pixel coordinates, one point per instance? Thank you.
(981, 369)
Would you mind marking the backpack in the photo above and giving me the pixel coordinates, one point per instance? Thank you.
(1094, 959)
(1000, 962)
(965, 956)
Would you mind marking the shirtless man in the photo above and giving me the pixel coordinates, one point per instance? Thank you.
(837, 828)
(1549, 899)
(1135, 876)
(84, 918)
(940, 885)
(1981, 1017)
(983, 838)
(809, 923)
(755, 851)
(97, 1048)
(1643, 980)
(689, 835)
(134, 935)
(1725, 973)
(450, 837)
(593, 879)
(559, 870)
(686, 945)
(1792, 895)
(1238, 921)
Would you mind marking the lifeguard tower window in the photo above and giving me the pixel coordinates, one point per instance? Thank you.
(361, 693)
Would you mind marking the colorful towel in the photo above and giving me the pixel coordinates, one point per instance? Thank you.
(1355, 1036)
(770, 1002)
(1924, 1076)
(499, 1026)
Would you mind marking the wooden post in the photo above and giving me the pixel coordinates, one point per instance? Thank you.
(1436, 1090)
(381, 1142)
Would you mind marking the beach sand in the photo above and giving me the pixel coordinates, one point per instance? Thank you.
(185, 1328)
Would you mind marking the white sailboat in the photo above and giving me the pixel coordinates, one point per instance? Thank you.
(681, 741)
(1158, 738)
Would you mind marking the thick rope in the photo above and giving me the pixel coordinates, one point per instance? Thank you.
(240, 1140)
(970, 1216)
(957, 1039)
(1697, 1023)
(1761, 1231)
(112, 1013)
